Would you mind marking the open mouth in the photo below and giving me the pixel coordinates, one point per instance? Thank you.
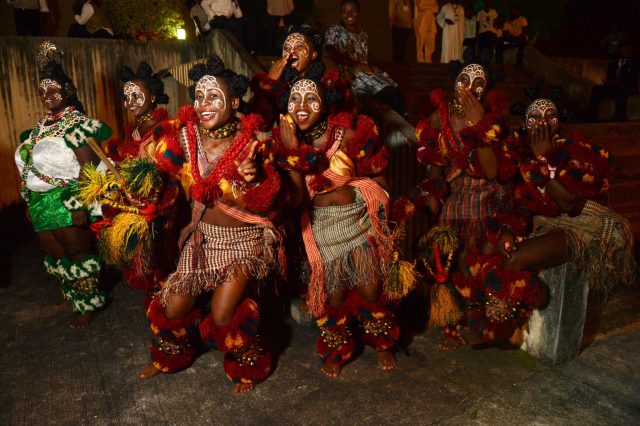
(207, 115)
(294, 60)
(302, 116)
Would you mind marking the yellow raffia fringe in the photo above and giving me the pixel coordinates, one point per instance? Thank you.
(444, 307)
(91, 184)
(128, 235)
(141, 176)
(401, 279)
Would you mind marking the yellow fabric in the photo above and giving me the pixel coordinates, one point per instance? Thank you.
(340, 164)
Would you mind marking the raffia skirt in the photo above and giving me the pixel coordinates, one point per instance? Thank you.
(222, 253)
(349, 255)
(600, 244)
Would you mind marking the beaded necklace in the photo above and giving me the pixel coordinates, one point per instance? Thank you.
(64, 119)
(222, 132)
(316, 132)
(144, 118)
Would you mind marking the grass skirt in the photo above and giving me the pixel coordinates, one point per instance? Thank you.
(349, 256)
(600, 244)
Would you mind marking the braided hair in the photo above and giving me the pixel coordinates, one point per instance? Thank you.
(145, 73)
(49, 59)
(316, 67)
(237, 83)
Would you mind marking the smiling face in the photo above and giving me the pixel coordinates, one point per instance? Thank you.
(214, 106)
(300, 51)
(305, 104)
(52, 95)
(542, 111)
(350, 13)
(472, 77)
(137, 98)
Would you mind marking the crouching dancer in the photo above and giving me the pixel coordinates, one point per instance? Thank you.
(229, 245)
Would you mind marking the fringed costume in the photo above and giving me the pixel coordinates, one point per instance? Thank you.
(348, 246)
(211, 255)
(49, 170)
(139, 209)
(600, 241)
(471, 198)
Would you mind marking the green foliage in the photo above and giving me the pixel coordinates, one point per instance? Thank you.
(145, 19)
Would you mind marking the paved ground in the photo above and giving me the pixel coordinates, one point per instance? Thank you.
(51, 374)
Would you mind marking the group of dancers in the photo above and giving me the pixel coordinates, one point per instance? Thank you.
(298, 163)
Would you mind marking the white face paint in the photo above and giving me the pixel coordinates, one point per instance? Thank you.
(472, 77)
(296, 43)
(133, 94)
(206, 85)
(540, 109)
(48, 84)
(303, 88)
(291, 106)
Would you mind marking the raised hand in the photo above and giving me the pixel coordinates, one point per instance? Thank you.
(278, 66)
(473, 109)
(541, 138)
(288, 132)
(248, 168)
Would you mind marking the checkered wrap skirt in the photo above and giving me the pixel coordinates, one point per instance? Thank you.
(348, 253)
(600, 245)
(224, 252)
(470, 203)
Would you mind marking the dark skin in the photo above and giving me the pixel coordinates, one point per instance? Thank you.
(301, 109)
(350, 14)
(231, 293)
(73, 242)
(467, 95)
(132, 104)
(299, 53)
(548, 250)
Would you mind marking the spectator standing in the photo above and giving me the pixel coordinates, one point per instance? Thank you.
(279, 12)
(451, 20)
(514, 35)
(27, 15)
(425, 28)
(620, 83)
(611, 42)
(401, 25)
(91, 21)
(470, 41)
(485, 34)
(227, 15)
(348, 46)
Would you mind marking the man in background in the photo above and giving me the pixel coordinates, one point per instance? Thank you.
(401, 25)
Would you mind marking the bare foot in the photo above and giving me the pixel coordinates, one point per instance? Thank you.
(83, 320)
(243, 387)
(149, 371)
(331, 370)
(64, 303)
(449, 343)
(386, 360)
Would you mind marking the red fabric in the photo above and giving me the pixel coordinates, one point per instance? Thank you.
(255, 374)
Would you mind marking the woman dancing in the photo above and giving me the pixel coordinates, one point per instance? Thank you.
(49, 160)
(344, 226)
(229, 245)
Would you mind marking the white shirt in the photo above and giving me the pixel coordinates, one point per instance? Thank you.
(86, 14)
(226, 8)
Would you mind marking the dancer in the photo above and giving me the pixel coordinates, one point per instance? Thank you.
(49, 161)
(140, 205)
(560, 177)
(228, 246)
(344, 226)
(300, 53)
(463, 146)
